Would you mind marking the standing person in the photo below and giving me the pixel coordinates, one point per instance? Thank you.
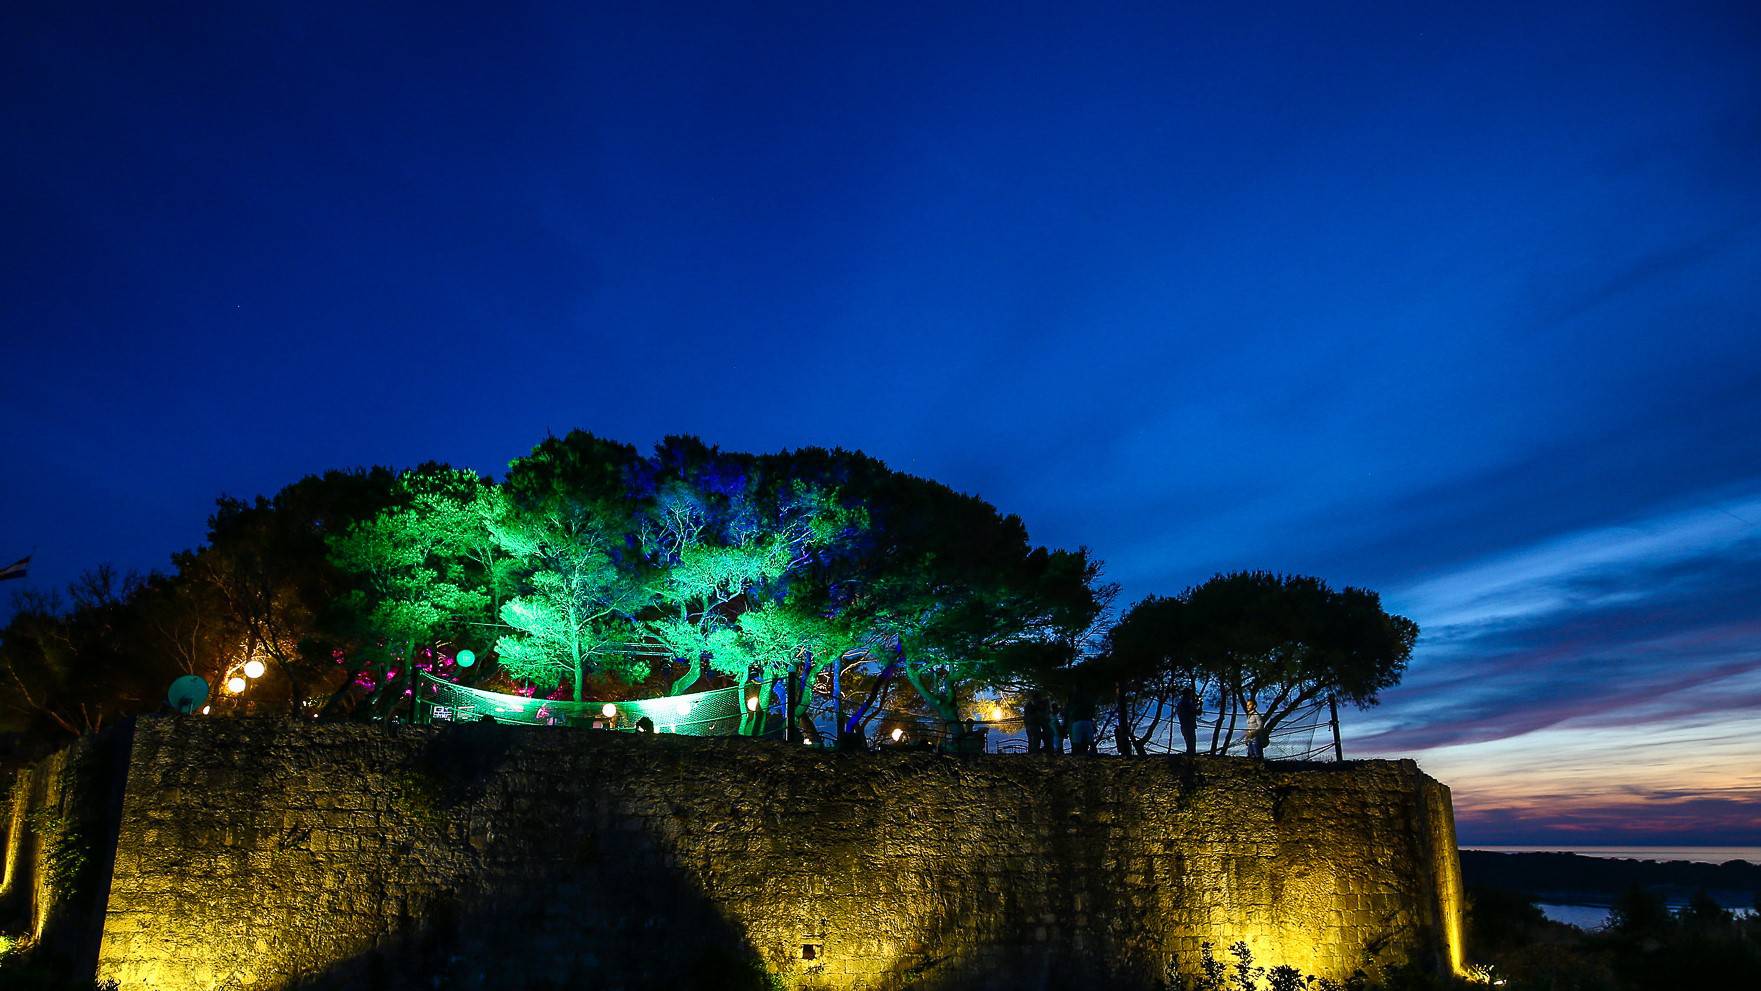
(1059, 728)
(1256, 746)
(1188, 710)
(1123, 739)
(1038, 717)
(1082, 723)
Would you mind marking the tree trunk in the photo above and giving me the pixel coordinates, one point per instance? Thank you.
(693, 671)
(1217, 730)
(944, 708)
(748, 717)
(801, 716)
(409, 681)
(1234, 709)
(838, 698)
(865, 712)
(1140, 744)
(886, 692)
(575, 651)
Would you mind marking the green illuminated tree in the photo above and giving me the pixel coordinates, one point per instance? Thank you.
(422, 569)
(717, 561)
(788, 639)
(591, 559)
(947, 592)
(572, 615)
(565, 526)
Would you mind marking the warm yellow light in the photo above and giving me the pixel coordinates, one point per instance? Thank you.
(898, 734)
(752, 704)
(996, 714)
(806, 742)
(608, 710)
(235, 684)
(253, 668)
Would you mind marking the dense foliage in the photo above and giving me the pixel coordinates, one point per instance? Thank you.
(1252, 641)
(1644, 946)
(592, 570)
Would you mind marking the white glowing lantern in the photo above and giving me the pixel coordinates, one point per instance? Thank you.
(898, 734)
(608, 710)
(254, 668)
(752, 704)
(806, 742)
(681, 706)
(235, 684)
(205, 709)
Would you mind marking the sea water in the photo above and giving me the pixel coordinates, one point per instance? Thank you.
(1694, 854)
(1592, 916)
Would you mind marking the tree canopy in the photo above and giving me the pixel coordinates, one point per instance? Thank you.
(593, 568)
(1257, 640)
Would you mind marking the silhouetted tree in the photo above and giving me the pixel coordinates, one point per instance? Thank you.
(1286, 641)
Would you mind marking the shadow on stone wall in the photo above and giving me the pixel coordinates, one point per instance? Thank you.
(601, 907)
(497, 939)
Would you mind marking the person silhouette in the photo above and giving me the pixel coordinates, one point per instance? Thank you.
(1188, 709)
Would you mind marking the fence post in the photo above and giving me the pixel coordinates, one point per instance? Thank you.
(1333, 717)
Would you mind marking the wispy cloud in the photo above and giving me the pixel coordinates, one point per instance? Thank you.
(1593, 681)
(1593, 569)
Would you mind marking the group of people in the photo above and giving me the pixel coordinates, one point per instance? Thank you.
(1049, 724)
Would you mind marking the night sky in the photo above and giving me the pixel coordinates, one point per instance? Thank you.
(1462, 304)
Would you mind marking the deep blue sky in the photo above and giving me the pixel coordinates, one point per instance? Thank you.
(1460, 303)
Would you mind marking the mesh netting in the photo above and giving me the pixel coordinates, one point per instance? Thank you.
(718, 713)
(1297, 737)
(712, 713)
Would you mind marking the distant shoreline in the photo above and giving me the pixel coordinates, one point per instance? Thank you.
(1658, 854)
(1570, 878)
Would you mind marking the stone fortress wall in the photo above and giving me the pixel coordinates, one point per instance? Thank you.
(266, 854)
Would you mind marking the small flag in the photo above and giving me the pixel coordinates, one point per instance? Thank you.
(16, 569)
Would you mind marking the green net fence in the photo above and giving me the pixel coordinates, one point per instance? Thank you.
(712, 713)
(1303, 736)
